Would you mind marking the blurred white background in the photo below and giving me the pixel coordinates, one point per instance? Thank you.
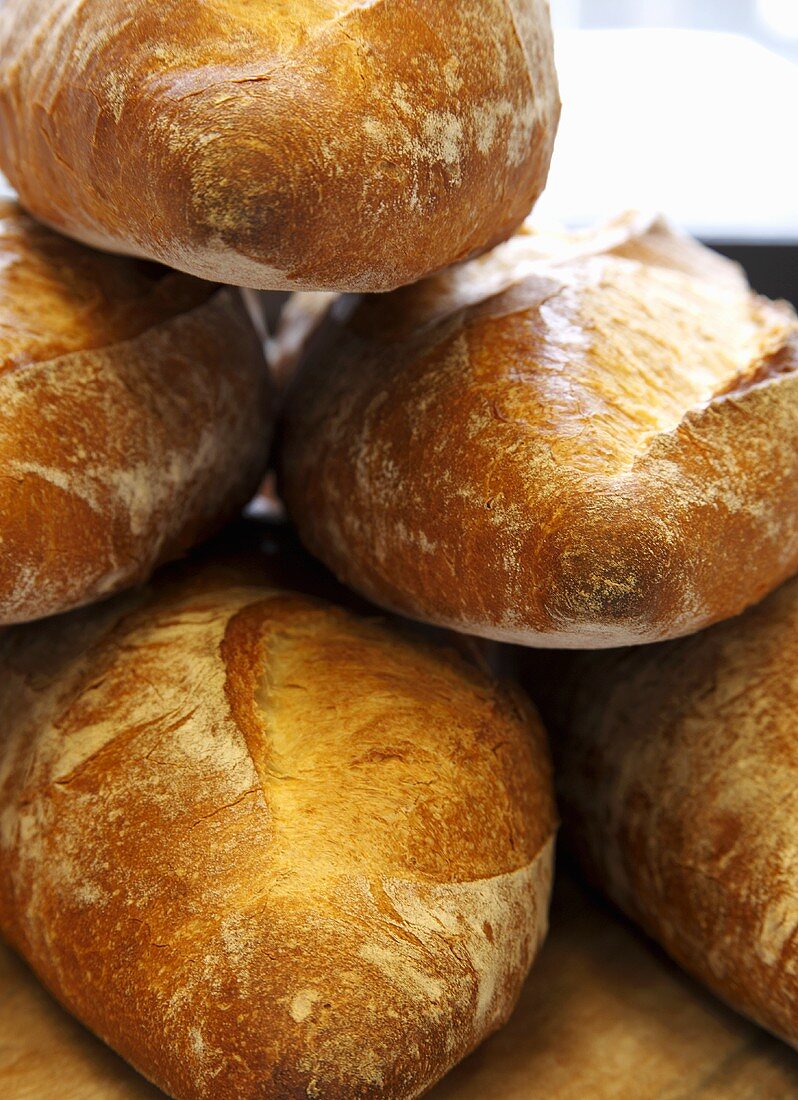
(772, 22)
(684, 106)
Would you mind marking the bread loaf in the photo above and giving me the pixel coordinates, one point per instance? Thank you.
(135, 415)
(577, 441)
(328, 144)
(263, 847)
(678, 776)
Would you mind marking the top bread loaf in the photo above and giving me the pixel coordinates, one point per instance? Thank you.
(322, 144)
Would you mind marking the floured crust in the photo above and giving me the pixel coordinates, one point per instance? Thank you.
(678, 776)
(585, 440)
(319, 145)
(264, 848)
(135, 418)
(57, 297)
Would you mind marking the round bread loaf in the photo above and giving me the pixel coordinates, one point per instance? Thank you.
(327, 144)
(135, 417)
(678, 782)
(265, 848)
(578, 441)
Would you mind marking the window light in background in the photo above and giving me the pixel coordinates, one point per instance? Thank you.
(780, 17)
(696, 123)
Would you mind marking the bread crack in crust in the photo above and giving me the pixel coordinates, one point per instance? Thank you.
(579, 440)
(256, 843)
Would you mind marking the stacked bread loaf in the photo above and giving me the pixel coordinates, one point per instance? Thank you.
(259, 839)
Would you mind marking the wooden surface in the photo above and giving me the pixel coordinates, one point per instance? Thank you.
(603, 1017)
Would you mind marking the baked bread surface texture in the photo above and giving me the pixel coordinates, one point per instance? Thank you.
(580, 441)
(326, 144)
(135, 417)
(264, 848)
(602, 1015)
(678, 783)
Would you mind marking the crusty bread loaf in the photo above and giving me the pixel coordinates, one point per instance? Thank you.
(678, 776)
(265, 848)
(135, 415)
(322, 144)
(575, 441)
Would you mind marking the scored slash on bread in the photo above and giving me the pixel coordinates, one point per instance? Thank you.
(264, 847)
(576, 441)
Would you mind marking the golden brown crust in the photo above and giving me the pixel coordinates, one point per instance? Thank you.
(135, 416)
(603, 1015)
(267, 849)
(327, 144)
(589, 443)
(678, 779)
(57, 297)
